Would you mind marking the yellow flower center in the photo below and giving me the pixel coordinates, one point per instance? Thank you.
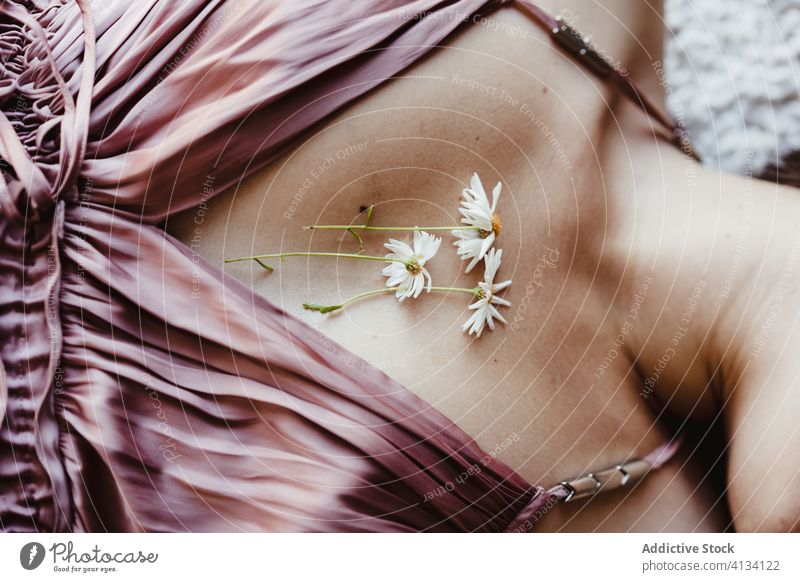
(497, 225)
(413, 266)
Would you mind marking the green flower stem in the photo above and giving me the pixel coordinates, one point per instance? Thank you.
(457, 289)
(330, 308)
(387, 228)
(258, 258)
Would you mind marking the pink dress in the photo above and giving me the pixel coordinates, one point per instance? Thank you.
(141, 388)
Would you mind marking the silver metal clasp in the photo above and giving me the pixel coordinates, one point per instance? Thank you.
(582, 487)
(581, 47)
(618, 476)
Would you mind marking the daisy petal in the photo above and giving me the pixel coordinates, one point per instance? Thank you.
(478, 213)
(484, 310)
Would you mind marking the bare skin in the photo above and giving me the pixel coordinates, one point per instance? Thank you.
(605, 228)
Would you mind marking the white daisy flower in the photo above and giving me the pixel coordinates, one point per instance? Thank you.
(475, 242)
(484, 308)
(410, 275)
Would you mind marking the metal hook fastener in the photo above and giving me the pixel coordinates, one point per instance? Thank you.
(582, 487)
(580, 46)
(618, 476)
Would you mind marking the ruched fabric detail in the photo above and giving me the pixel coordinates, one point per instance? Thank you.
(143, 390)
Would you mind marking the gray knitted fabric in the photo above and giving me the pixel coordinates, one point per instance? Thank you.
(732, 68)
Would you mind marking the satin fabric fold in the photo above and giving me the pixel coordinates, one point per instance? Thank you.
(141, 388)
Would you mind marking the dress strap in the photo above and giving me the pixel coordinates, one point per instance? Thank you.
(623, 475)
(581, 49)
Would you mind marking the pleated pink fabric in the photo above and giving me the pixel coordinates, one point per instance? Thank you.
(143, 390)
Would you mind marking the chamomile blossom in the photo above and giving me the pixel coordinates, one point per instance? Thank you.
(484, 309)
(473, 243)
(409, 274)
